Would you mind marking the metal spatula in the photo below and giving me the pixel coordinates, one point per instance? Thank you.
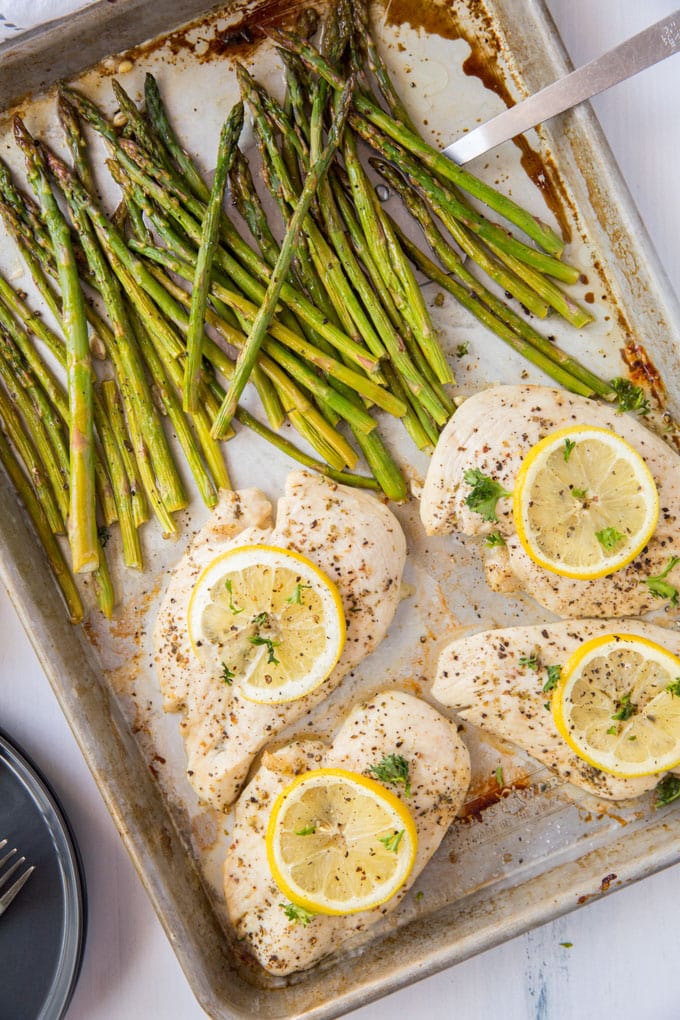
(642, 50)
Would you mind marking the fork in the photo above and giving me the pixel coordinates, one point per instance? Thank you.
(18, 884)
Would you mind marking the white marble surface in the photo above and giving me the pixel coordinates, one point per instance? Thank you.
(623, 962)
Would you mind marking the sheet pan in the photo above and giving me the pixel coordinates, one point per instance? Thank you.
(521, 855)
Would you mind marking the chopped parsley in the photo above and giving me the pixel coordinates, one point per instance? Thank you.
(630, 396)
(271, 645)
(485, 494)
(613, 730)
(462, 349)
(530, 661)
(499, 775)
(234, 608)
(667, 790)
(660, 587)
(625, 708)
(227, 675)
(554, 676)
(567, 945)
(297, 914)
(261, 619)
(308, 830)
(673, 688)
(608, 538)
(494, 539)
(392, 842)
(419, 894)
(393, 769)
(579, 493)
(569, 445)
(296, 598)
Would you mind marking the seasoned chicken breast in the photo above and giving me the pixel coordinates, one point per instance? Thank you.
(439, 774)
(482, 678)
(348, 534)
(492, 431)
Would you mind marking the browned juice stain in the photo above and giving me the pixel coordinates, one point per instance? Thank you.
(483, 63)
(491, 793)
(204, 40)
(642, 370)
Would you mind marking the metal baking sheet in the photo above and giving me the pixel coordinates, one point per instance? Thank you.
(520, 855)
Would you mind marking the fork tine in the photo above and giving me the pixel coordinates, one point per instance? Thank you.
(10, 871)
(7, 897)
(6, 857)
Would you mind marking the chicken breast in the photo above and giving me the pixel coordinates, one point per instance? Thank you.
(492, 431)
(348, 534)
(482, 678)
(439, 775)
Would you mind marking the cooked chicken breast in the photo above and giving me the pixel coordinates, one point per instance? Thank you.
(439, 774)
(482, 678)
(348, 534)
(492, 431)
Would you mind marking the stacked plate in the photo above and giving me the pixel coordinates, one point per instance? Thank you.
(42, 933)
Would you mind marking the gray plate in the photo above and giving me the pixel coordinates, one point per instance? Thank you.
(42, 933)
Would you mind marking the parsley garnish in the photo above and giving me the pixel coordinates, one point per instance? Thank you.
(579, 493)
(420, 894)
(613, 730)
(625, 708)
(227, 675)
(631, 397)
(554, 675)
(530, 661)
(495, 538)
(261, 619)
(308, 830)
(296, 598)
(235, 609)
(608, 538)
(271, 645)
(485, 494)
(667, 790)
(393, 769)
(662, 589)
(569, 445)
(673, 688)
(295, 913)
(567, 945)
(392, 842)
(462, 349)
(499, 775)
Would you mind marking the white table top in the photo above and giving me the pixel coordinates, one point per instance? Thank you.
(623, 962)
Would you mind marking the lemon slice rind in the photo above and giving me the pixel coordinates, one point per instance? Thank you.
(351, 814)
(569, 519)
(646, 742)
(303, 634)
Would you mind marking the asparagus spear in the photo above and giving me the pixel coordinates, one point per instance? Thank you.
(75, 141)
(47, 448)
(266, 312)
(209, 236)
(51, 546)
(452, 263)
(23, 443)
(370, 110)
(82, 521)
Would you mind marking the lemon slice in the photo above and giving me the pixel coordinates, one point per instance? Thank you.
(338, 842)
(268, 620)
(584, 503)
(618, 705)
